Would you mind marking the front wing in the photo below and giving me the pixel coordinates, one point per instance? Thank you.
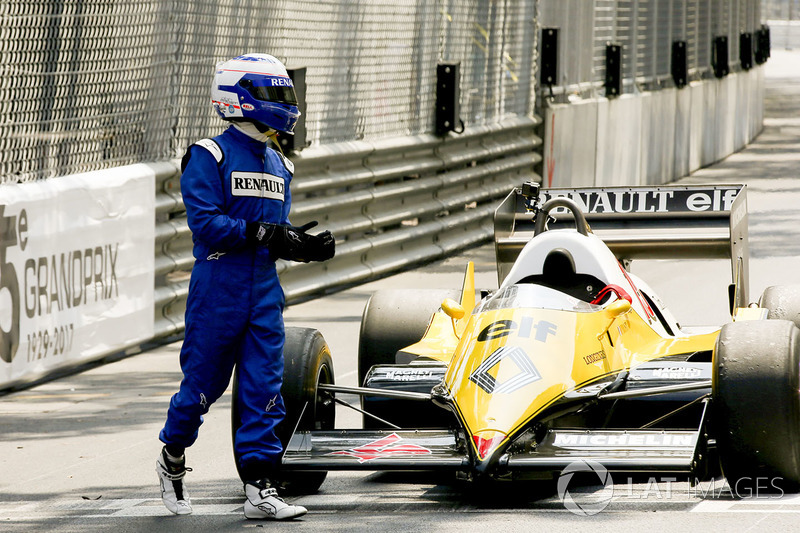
(617, 450)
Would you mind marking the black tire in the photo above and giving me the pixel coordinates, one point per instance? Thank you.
(394, 319)
(756, 406)
(307, 363)
(783, 303)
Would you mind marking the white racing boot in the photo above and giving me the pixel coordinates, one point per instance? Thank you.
(173, 491)
(263, 503)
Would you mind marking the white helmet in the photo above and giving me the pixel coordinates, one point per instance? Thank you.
(255, 88)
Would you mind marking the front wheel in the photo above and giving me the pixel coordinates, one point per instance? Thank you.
(756, 405)
(307, 363)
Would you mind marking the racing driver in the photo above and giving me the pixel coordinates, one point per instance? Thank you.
(236, 191)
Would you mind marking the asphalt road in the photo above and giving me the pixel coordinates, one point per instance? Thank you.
(78, 454)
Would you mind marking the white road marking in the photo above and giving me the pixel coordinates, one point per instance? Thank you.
(22, 511)
(783, 504)
(118, 508)
(197, 510)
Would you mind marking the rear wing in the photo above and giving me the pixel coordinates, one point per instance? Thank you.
(666, 222)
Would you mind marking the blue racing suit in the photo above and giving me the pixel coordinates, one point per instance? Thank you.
(235, 304)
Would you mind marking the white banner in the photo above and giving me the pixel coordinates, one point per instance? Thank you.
(76, 269)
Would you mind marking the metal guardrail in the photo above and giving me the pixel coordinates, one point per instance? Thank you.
(173, 252)
(390, 203)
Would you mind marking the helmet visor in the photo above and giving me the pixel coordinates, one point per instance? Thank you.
(271, 89)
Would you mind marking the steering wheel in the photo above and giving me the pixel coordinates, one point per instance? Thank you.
(544, 213)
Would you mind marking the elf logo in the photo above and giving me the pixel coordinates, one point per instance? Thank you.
(248, 107)
(501, 328)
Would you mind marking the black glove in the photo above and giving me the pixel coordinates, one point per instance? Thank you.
(292, 243)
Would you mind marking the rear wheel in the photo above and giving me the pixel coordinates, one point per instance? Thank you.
(307, 364)
(783, 302)
(392, 320)
(756, 405)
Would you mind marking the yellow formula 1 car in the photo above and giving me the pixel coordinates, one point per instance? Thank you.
(572, 358)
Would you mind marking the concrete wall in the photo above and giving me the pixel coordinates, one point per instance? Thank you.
(651, 138)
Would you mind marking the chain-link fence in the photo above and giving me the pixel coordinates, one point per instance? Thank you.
(645, 29)
(89, 84)
(83, 85)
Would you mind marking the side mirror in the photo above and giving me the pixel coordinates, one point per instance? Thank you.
(453, 309)
(618, 308)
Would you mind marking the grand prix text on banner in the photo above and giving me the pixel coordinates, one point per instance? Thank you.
(76, 269)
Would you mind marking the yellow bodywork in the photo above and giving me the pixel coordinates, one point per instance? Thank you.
(506, 366)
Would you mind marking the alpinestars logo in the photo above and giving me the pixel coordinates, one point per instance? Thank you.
(389, 446)
(294, 237)
(527, 372)
(272, 403)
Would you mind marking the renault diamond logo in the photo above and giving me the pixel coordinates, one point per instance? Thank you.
(527, 372)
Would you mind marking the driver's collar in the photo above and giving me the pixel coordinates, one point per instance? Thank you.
(249, 129)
